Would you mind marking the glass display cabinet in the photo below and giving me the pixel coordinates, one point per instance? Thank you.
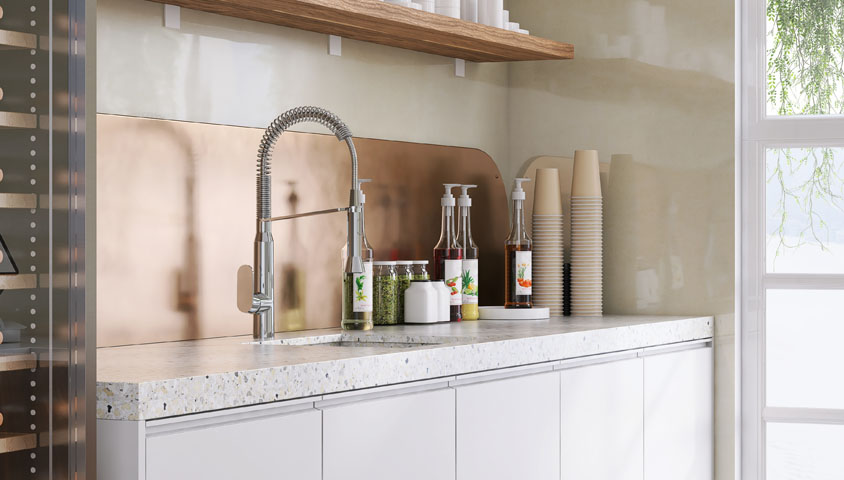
(45, 391)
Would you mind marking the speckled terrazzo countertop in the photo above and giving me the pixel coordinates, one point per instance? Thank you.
(143, 382)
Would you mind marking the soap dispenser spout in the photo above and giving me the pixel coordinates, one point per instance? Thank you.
(256, 285)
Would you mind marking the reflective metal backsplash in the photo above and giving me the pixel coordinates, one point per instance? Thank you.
(176, 217)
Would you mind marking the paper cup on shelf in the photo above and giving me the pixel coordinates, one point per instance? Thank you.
(546, 193)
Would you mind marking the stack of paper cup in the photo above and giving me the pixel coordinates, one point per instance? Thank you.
(586, 236)
(548, 241)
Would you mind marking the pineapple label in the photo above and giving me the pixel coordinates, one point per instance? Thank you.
(523, 272)
(470, 281)
(454, 281)
(363, 289)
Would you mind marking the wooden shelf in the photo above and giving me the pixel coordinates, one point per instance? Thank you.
(392, 25)
(18, 39)
(18, 282)
(17, 120)
(20, 361)
(13, 442)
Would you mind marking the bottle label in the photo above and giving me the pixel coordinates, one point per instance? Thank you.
(523, 273)
(470, 282)
(363, 289)
(454, 280)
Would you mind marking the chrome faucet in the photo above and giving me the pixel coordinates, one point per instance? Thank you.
(255, 293)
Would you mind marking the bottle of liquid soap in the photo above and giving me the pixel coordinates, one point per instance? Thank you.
(448, 256)
(357, 288)
(518, 255)
(470, 255)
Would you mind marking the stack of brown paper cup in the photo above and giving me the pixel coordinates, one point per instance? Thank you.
(548, 241)
(586, 235)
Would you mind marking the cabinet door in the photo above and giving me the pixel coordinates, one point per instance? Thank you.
(277, 447)
(509, 429)
(408, 437)
(679, 416)
(601, 421)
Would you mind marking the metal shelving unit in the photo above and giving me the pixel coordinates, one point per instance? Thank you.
(43, 404)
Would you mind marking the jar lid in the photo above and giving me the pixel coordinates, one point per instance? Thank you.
(404, 262)
(383, 263)
(419, 262)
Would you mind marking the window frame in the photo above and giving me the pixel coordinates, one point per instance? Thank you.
(756, 132)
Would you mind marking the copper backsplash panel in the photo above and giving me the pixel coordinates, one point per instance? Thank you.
(176, 218)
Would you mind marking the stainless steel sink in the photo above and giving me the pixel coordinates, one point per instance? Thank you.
(349, 340)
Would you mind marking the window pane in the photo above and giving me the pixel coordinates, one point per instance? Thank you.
(805, 361)
(805, 210)
(799, 451)
(805, 41)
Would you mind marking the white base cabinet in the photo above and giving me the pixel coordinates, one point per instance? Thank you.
(509, 428)
(636, 415)
(601, 422)
(679, 415)
(409, 436)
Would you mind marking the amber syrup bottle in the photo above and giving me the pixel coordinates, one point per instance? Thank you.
(448, 256)
(518, 271)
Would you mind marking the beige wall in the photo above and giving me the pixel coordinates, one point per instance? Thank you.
(654, 79)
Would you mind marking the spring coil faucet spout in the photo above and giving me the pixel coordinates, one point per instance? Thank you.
(256, 286)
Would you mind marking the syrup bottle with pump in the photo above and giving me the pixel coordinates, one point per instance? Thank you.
(518, 255)
(357, 288)
(448, 256)
(470, 255)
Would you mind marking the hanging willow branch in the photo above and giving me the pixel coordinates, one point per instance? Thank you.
(805, 76)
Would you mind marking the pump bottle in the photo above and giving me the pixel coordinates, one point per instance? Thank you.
(470, 255)
(357, 288)
(518, 255)
(448, 256)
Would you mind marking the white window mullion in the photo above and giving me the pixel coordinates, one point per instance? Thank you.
(823, 416)
(801, 281)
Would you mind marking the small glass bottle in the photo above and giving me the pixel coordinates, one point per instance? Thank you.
(385, 292)
(404, 269)
(420, 270)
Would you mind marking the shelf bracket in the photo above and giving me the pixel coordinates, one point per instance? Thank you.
(173, 16)
(335, 45)
(459, 67)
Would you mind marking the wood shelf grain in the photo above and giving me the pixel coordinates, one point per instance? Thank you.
(20, 361)
(393, 25)
(13, 442)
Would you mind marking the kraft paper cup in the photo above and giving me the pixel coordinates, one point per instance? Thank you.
(586, 175)
(546, 192)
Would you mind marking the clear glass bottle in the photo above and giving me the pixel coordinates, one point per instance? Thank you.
(469, 308)
(448, 256)
(420, 270)
(404, 269)
(385, 291)
(518, 255)
(357, 288)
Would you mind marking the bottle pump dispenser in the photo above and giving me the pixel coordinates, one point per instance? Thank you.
(470, 255)
(448, 255)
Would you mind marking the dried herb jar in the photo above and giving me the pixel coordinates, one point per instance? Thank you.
(404, 270)
(385, 292)
(420, 270)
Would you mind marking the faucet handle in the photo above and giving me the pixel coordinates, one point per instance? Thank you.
(245, 289)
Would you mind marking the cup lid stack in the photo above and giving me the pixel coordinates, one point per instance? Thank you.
(587, 247)
(547, 229)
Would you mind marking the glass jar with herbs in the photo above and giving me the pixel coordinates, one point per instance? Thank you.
(420, 270)
(405, 276)
(385, 292)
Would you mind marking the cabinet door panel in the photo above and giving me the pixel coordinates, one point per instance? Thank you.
(509, 429)
(281, 447)
(408, 437)
(679, 416)
(601, 421)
